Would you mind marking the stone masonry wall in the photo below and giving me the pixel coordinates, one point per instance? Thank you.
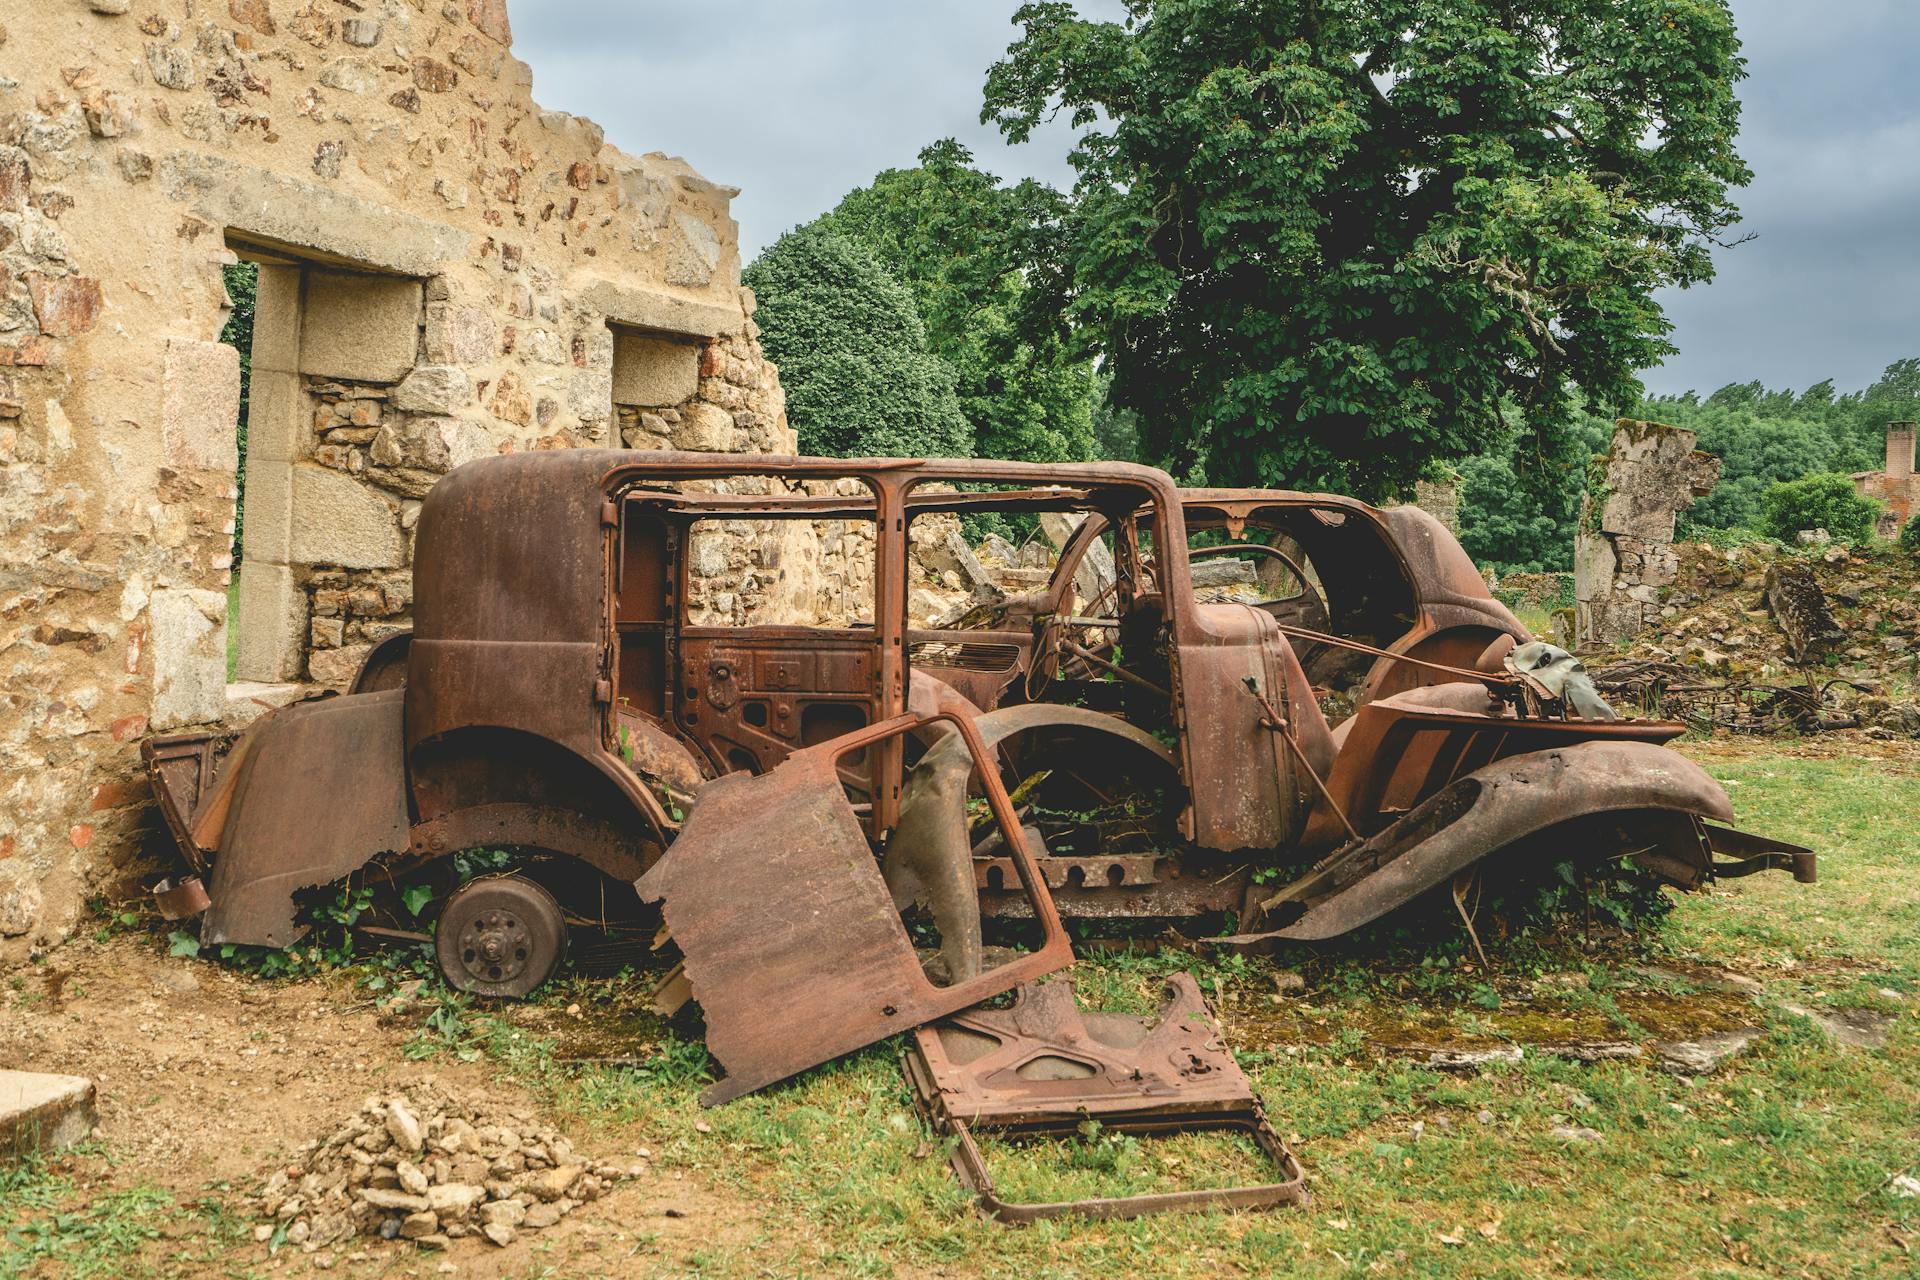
(1623, 555)
(446, 270)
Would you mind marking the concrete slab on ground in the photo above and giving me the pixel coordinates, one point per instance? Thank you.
(41, 1112)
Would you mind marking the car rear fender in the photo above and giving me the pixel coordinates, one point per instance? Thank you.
(322, 789)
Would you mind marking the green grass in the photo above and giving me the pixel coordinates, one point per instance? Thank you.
(1777, 1164)
(68, 1218)
(233, 624)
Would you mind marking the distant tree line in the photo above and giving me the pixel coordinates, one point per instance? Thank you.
(1785, 463)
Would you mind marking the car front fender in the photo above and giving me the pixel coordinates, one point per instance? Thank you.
(1487, 811)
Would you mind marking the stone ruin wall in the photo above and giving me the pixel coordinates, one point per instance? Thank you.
(1897, 488)
(1623, 556)
(446, 270)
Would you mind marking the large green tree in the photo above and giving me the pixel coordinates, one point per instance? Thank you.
(974, 252)
(1325, 241)
(852, 352)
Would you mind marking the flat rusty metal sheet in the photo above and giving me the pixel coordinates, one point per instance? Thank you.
(1045, 1066)
(792, 944)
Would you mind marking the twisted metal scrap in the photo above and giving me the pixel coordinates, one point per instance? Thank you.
(1675, 691)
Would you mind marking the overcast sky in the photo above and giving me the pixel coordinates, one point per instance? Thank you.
(798, 101)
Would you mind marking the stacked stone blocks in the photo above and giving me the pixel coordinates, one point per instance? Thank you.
(1624, 555)
(446, 271)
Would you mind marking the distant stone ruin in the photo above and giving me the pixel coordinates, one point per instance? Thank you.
(1623, 554)
(1896, 489)
(1439, 498)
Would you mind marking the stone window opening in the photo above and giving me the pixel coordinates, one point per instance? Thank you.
(332, 471)
(655, 379)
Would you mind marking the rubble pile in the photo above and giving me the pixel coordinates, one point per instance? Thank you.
(1820, 636)
(428, 1168)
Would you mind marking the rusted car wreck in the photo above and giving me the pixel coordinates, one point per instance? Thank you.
(833, 815)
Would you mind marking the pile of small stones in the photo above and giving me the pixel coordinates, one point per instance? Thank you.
(427, 1168)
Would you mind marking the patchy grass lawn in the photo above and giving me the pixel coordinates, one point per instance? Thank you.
(1779, 1164)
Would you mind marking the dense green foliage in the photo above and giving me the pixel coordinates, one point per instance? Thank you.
(242, 279)
(1910, 534)
(852, 352)
(968, 248)
(1765, 437)
(1519, 503)
(1331, 244)
(1825, 500)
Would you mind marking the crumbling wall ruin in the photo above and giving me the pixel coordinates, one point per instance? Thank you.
(1896, 489)
(1623, 556)
(445, 270)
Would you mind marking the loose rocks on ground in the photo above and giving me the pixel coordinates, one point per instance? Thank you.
(430, 1168)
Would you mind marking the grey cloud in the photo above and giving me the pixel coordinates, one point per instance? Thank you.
(796, 102)
(1831, 129)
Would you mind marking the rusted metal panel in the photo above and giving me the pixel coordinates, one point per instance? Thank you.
(1246, 793)
(1179, 889)
(342, 753)
(182, 901)
(791, 941)
(622, 852)
(1044, 1066)
(931, 860)
(1481, 814)
(1396, 752)
(182, 767)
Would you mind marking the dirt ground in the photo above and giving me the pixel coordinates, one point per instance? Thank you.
(209, 1076)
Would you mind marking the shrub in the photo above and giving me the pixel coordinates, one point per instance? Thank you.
(1822, 501)
(1910, 535)
(852, 352)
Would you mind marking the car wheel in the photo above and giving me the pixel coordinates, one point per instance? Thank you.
(500, 936)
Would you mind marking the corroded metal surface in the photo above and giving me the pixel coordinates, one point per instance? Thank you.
(930, 861)
(556, 693)
(321, 791)
(791, 941)
(1483, 812)
(1045, 1066)
(500, 936)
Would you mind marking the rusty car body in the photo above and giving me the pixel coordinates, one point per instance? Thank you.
(558, 693)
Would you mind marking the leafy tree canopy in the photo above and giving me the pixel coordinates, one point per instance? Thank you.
(852, 352)
(1324, 243)
(1765, 437)
(1910, 534)
(976, 255)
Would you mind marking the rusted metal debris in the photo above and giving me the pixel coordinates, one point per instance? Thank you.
(1702, 702)
(1044, 1067)
(1361, 723)
(793, 946)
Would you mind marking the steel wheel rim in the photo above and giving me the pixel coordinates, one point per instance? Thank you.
(500, 936)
